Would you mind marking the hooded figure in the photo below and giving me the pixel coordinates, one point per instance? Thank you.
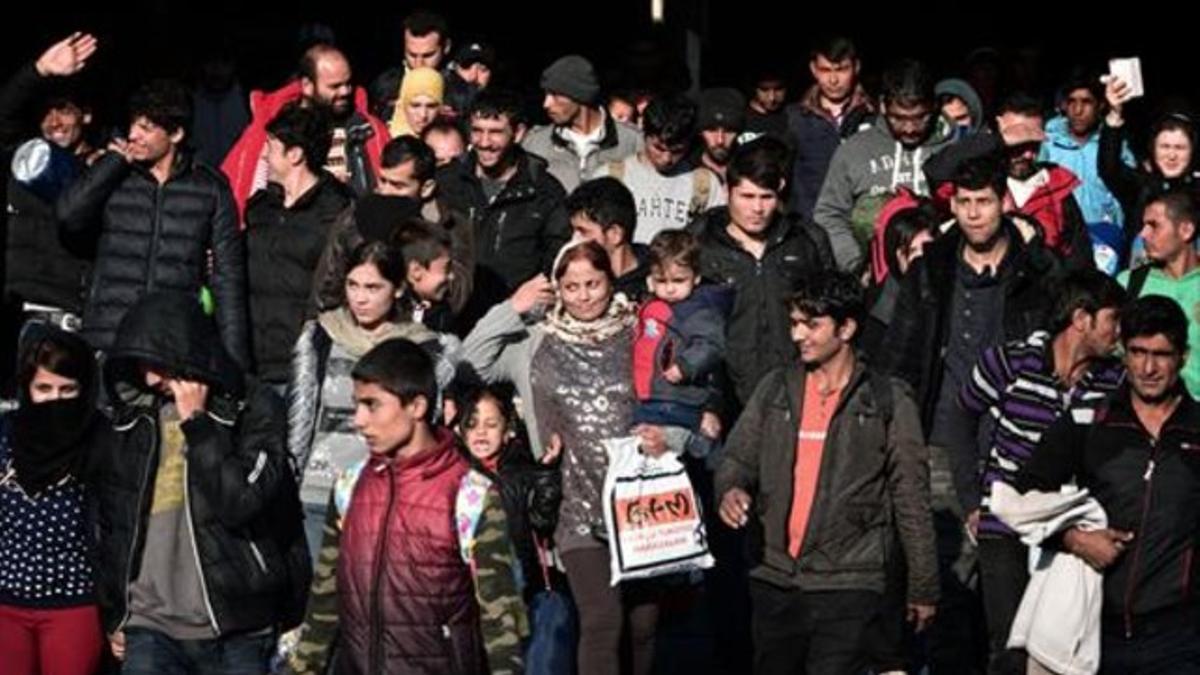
(199, 520)
(425, 82)
(962, 90)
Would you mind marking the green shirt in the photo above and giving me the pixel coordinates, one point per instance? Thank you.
(1186, 293)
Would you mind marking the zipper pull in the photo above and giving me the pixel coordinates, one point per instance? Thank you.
(1149, 471)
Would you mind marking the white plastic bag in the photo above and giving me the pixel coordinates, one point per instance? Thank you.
(652, 514)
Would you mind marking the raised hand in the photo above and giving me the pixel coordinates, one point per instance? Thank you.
(68, 56)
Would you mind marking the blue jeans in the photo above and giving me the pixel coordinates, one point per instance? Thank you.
(149, 652)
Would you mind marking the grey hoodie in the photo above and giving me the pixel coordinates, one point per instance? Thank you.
(962, 89)
(864, 173)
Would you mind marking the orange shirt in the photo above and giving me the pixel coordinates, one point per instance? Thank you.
(815, 415)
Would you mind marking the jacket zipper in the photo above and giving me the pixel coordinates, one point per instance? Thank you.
(373, 659)
(155, 235)
(499, 232)
(187, 512)
(1148, 478)
(258, 556)
(136, 530)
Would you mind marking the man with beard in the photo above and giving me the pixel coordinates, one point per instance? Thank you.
(872, 165)
(722, 120)
(163, 222)
(358, 137)
(1041, 191)
(515, 208)
(426, 45)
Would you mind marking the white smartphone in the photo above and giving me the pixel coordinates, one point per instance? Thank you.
(1130, 71)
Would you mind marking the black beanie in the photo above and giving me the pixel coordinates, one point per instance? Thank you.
(573, 77)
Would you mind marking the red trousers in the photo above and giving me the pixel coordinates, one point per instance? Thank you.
(64, 641)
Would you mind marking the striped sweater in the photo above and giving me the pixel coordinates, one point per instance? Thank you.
(1015, 384)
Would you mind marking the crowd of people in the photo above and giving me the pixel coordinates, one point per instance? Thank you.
(325, 381)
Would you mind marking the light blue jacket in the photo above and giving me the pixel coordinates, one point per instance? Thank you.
(1095, 201)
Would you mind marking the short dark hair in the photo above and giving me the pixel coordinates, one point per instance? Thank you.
(979, 173)
(586, 250)
(1180, 208)
(402, 368)
(607, 202)
(383, 256)
(763, 161)
(836, 48)
(421, 241)
(836, 294)
(671, 118)
(1089, 290)
(409, 148)
(62, 353)
(494, 103)
(1021, 103)
(1083, 78)
(163, 102)
(422, 22)
(306, 127)
(908, 82)
(441, 125)
(675, 246)
(1152, 315)
(903, 227)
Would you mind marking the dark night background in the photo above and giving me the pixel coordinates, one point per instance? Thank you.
(144, 38)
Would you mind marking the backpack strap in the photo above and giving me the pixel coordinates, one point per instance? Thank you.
(616, 169)
(1137, 280)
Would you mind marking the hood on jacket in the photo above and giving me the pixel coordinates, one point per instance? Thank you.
(962, 89)
(169, 332)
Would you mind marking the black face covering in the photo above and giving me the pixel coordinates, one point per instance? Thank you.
(49, 441)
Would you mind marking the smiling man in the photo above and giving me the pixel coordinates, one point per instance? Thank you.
(514, 205)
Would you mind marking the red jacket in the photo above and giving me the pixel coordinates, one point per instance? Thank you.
(242, 161)
(405, 596)
(1046, 207)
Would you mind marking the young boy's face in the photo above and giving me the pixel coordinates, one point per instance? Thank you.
(430, 284)
(385, 422)
(672, 282)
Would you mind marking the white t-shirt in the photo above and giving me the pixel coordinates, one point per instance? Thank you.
(664, 202)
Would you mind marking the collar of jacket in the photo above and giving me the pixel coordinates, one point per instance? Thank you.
(811, 103)
(795, 377)
(1059, 134)
(778, 231)
(608, 140)
(183, 164)
(324, 181)
(442, 456)
(522, 185)
(942, 258)
(1118, 410)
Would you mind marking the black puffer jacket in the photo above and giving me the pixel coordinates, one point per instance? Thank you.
(531, 494)
(283, 247)
(240, 489)
(179, 236)
(517, 234)
(1148, 487)
(38, 268)
(759, 332)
